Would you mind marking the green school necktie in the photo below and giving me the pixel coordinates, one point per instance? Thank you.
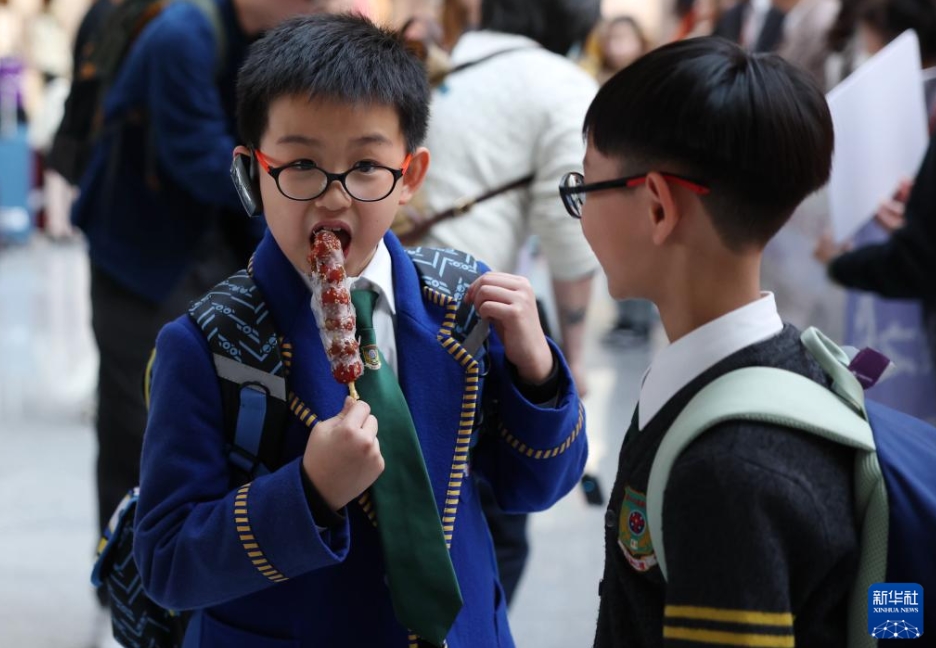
(425, 593)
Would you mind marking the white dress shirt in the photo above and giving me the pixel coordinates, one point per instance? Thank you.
(378, 276)
(688, 357)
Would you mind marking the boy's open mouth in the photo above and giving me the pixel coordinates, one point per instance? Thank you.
(340, 230)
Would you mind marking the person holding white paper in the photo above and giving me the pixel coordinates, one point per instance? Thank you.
(903, 266)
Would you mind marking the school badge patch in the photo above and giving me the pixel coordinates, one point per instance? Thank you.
(371, 357)
(633, 534)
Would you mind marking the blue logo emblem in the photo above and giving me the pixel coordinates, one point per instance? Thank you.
(895, 611)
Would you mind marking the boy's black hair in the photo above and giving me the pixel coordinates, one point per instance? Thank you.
(344, 58)
(557, 25)
(751, 127)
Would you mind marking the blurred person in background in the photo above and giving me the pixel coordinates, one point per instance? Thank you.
(695, 18)
(904, 265)
(426, 36)
(621, 41)
(754, 24)
(864, 27)
(90, 23)
(49, 54)
(875, 24)
(160, 213)
(845, 51)
(516, 112)
(795, 29)
(881, 21)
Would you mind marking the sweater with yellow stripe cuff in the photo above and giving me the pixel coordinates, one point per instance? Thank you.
(761, 541)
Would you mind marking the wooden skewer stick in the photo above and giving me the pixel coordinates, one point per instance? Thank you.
(354, 392)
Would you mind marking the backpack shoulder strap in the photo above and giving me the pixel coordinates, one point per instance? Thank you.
(787, 399)
(484, 59)
(450, 273)
(245, 350)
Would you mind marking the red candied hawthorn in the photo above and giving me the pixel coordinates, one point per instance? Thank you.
(325, 243)
(334, 274)
(343, 347)
(347, 372)
(338, 295)
(339, 324)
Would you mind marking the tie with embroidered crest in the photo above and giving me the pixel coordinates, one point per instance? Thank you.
(425, 593)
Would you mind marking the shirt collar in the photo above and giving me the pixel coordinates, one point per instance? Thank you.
(377, 276)
(688, 357)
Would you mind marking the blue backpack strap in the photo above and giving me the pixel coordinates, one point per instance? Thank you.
(245, 350)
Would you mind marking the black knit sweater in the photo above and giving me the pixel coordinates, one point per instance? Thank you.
(760, 538)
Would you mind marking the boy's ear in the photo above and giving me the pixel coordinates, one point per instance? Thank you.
(415, 174)
(664, 210)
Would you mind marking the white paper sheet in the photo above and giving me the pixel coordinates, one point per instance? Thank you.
(881, 136)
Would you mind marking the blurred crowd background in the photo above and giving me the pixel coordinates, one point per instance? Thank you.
(512, 80)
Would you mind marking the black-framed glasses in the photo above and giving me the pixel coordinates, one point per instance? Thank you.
(303, 180)
(572, 188)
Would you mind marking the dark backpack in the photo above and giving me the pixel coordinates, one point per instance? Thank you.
(245, 349)
(98, 65)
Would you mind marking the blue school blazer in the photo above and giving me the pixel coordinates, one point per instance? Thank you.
(252, 562)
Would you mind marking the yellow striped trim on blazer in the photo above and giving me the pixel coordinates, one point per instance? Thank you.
(367, 505)
(469, 409)
(466, 423)
(450, 305)
(245, 533)
(759, 628)
(286, 352)
(533, 453)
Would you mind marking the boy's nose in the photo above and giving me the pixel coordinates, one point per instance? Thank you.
(335, 198)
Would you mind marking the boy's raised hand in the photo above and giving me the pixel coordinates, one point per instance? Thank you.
(342, 457)
(508, 302)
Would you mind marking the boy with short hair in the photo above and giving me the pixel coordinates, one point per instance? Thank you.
(332, 111)
(697, 155)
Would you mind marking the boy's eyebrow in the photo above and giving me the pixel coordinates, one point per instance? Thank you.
(298, 139)
(364, 140)
(372, 138)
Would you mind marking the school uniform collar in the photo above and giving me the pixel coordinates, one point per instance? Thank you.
(378, 276)
(682, 361)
